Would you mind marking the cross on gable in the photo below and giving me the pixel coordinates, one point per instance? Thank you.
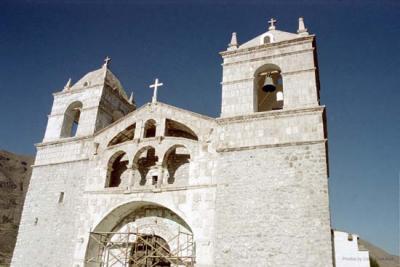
(272, 22)
(107, 61)
(155, 85)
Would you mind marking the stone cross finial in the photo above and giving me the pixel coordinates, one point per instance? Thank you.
(272, 22)
(155, 85)
(302, 28)
(234, 43)
(106, 61)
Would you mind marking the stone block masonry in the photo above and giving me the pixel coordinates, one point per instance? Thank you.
(116, 185)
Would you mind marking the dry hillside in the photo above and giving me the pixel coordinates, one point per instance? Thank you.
(382, 257)
(15, 173)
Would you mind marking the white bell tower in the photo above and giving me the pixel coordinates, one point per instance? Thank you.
(275, 70)
(81, 109)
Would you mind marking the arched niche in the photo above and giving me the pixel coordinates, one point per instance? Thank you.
(139, 222)
(177, 161)
(71, 120)
(126, 135)
(116, 167)
(177, 129)
(266, 38)
(268, 88)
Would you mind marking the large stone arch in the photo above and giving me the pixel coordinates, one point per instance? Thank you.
(118, 217)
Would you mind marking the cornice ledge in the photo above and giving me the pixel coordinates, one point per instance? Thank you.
(242, 148)
(269, 114)
(77, 90)
(242, 51)
(147, 190)
(63, 141)
(58, 163)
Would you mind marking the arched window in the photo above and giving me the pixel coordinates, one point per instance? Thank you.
(117, 165)
(150, 129)
(176, 161)
(145, 159)
(177, 129)
(71, 119)
(268, 88)
(126, 135)
(267, 39)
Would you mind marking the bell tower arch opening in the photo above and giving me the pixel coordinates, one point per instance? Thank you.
(268, 88)
(71, 120)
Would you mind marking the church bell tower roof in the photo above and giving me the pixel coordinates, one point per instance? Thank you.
(274, 36)
(102, 76)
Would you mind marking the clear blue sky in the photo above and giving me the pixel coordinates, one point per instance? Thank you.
(43, 43)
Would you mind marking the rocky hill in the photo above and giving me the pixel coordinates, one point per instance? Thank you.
(15, 173)
(383, 258)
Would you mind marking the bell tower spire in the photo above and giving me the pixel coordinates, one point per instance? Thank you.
(302, 28)
(234, 43)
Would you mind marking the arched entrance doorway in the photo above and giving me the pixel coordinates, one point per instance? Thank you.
(141, 234)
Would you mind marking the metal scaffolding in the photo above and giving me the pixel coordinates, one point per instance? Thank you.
(134, 249)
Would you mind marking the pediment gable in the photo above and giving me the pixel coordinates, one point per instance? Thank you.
(201, 125)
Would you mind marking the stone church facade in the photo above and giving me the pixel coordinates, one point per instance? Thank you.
(116, 185)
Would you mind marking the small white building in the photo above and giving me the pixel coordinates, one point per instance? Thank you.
(347, 252)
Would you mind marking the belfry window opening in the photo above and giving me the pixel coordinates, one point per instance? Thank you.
(71, 120)
(268, 89)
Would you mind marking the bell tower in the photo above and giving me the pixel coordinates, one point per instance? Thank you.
(92, 103)
(275, 70)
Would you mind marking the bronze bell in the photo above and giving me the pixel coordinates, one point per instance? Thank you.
(269, 85)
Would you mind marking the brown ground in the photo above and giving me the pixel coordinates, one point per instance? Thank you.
(15, 173)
